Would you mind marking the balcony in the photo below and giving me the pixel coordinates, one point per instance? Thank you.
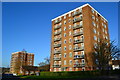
(76, 13)
(78, 41)
(78, 56)
(57, 27)
(56, 66)
(78, 33)
(57, 52)
(57, 45)
(77, 19)
(57, 33)
(78, 48)
(57, 21)
(76, 65)
(57, 39)
(57, 59)
(77, 26)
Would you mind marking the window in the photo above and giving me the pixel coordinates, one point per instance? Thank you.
(94, 30)
(55, 63)
(65, 41)
(98, 39)
(60, 19)
(69, 14)
(106, 37)
(70, 62)
(64, 28)
(64, 22)
(70, 47)
(95, 45)
(104, 26)
(69, 26)
(93, 23)
(70, 54)
(70, 33)
(81, 23)
(64, 55)
(69, 20)
(97, 19)
(70, 40)
(83, 60)
(70, 69)
(83, 68)
(93, 17)
(105, 32)
(64, 62)
(82, 44)
(97, 25)
(64, 16)
(92, 11)
(54, 69)
(98, 33)
(103, 29)
(95, 38)
(82, 52)
(64, 48)
(64, 34)
(59, 69)
(59, 62)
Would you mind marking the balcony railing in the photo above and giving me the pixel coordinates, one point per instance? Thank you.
(78, 41)
(57, 21)
(56, 66)
(57, 39)
(77, 19)
(76, 13)
(77, 26)
(57, 59)
(57, 27)
(57, 33)
(79, 65)
(78, 56)
(78, 48)
(57, 45)
(57, 51)
(78, 33)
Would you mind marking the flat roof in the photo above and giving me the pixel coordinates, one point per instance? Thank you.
(77, 9)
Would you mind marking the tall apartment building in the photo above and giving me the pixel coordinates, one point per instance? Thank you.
(74, 35)
(19, 59)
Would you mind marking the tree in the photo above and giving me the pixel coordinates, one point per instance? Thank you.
(104, 53)
(46, 62)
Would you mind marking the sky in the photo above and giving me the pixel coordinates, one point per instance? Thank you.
(27, 25)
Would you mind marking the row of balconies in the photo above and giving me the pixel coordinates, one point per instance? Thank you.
(77, 26)
(78, 41)
(57, 27)
(57, 66)
(76, 65)
(75, 49)
(57, 58)
(57, 39)
(79, 64)
(76, 13)
(78, 56)
(78, 48)
(57, 51)
(78, 33)
(77, 19)
(57, 33)
(57, 45)
(57, 21)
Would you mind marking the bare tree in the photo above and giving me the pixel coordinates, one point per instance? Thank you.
(104, 53)
(45, 62)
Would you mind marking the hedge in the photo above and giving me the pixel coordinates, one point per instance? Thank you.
(80, 73)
